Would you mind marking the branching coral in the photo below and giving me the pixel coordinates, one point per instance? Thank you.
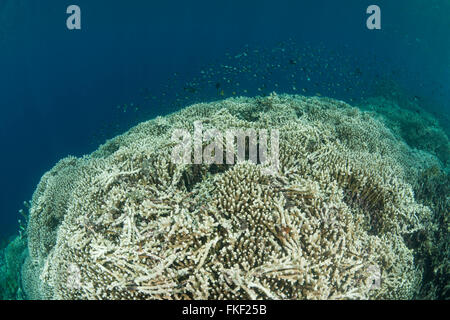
(417, 127)
(128, 223)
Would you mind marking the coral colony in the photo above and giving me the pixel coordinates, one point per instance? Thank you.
(335, 220)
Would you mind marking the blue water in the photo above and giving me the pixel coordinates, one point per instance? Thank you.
(60, 89)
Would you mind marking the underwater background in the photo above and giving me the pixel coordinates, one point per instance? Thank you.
(64, 92)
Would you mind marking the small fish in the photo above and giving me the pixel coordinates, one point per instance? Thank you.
(244, 54)
(190, 89)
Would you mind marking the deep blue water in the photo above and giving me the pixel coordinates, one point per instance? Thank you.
(59, 89)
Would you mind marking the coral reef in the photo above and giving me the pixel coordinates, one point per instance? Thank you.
(49, 205)
(11, 260)
(127, 223)
(433, 190)
(417, 128)
(430, 181)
